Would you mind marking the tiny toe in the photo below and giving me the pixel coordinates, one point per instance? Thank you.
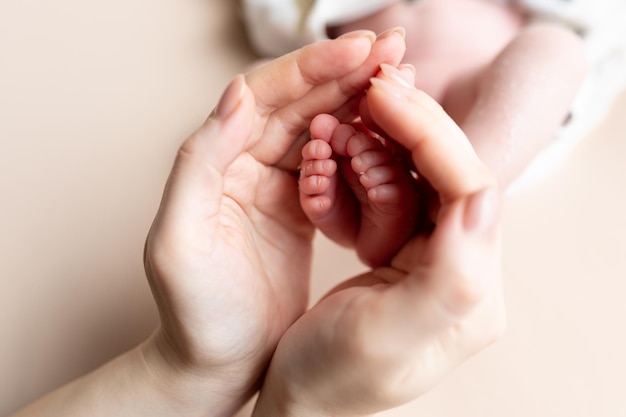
(316, 149)
(323, 126)
(370, 159)
(361, 142)
(316, 207)
(323, 167)
(385, 194)
(376, 176)
(341, 137)
(314, 184)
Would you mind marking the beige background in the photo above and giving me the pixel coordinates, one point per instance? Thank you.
(95, 96)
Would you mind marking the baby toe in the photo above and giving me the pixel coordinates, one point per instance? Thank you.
(370, 159)
(316, 149)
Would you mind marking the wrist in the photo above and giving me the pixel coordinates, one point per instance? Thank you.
(203, 391)
(279, 398)
(274, 402)
(139, 382)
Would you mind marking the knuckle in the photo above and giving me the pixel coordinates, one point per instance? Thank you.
(464, 294)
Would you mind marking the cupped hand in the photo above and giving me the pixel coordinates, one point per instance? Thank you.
(385, 337)
(228, 255)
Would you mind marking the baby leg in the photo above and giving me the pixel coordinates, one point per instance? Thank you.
(522, 98)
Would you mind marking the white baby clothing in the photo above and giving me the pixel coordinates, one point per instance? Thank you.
(276, 27)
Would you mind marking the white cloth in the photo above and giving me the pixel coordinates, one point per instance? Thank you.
(276, 27)
(279, 26)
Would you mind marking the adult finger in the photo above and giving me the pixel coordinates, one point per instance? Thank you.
(287, 119)
(289, 77)
(407, 71)
(452, 296)
(193, 192)
(439, 148)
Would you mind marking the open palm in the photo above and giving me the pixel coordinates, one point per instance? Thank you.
(228, 256)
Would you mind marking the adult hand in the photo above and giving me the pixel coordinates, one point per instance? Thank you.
(385, 337)
(228, 256)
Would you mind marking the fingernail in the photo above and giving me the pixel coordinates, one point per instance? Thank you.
(398, 30)
(394, 75)
(396, 90)
(230, 98)
(482, 211)
(359, 34)
(407, 68)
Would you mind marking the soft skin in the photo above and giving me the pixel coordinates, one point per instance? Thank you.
(385, 337)
(507, 81)
(229, 251)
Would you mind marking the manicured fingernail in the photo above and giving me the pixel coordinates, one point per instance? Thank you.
(482, 211)
(394, 75)
(398, 30)
(359, 34)
(230, 98)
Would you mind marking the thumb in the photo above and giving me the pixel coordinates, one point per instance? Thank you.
(457, 270)
(463, 256)
(194, 188)
(449, 306)
(225, 133)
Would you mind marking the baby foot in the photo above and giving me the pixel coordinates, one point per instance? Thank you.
(356, 191)
(386, 194)
(324, 195)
